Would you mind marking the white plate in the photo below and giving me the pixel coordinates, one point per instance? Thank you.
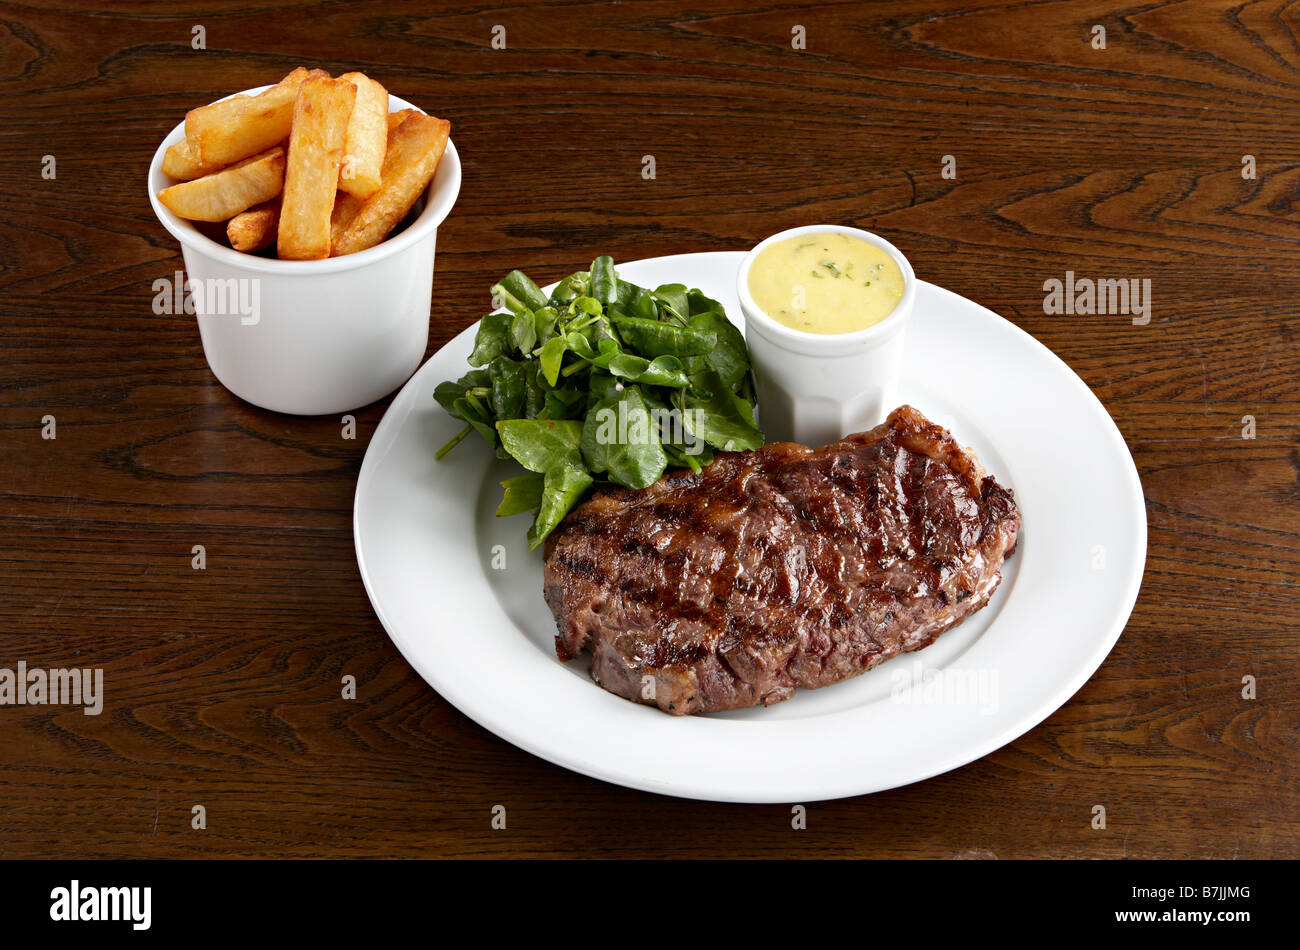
(483, 637)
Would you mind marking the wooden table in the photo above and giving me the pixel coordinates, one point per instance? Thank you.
(223, 685)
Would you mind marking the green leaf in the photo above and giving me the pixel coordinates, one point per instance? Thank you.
(593, 450)
(552, 356)
(607, 351)
(579, 344)
(627, 294)
(673, 297)
(569, 289)
(541, 444)
(446, 393)
(544, 321)
(493, 338)
(679, 457)
(588, 305)
(652, 338)
(602, 386)
(523, 331)
(722, 420)
(661, 371)
(507, 387)
(643, 306)
(473, 413)
(519, 288)
(701, 304)
(522, 493)
(534, 390)
(729, 357)
(619, 437)
(604, 285)
(566, 404)
(601, 331)
(673, 435)
(562, 487)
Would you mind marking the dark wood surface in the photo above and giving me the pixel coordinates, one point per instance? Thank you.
(223, 685)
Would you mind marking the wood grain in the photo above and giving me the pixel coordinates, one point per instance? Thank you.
(224, 683)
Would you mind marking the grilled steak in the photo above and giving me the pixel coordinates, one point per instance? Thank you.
(777, 569)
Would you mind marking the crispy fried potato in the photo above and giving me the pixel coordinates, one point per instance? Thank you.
(255, 228)
(394, 120)
(413, 156)
(180, 162)
(347, 206)
(345, 211)
(320, 125)
(367, 139)
(224, 194)
(227, 131)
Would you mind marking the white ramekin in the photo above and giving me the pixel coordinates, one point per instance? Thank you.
(328, 336)
(815, 388)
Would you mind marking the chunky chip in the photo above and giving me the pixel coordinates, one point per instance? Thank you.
(367, 138)
(181, 162)
(255, 228)
(223, 194)
(395, 119)
(346, 208)
(413, 155)
(319, 130)
(235, 128)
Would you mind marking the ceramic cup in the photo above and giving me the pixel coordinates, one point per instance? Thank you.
(314, 337)
(815, 388)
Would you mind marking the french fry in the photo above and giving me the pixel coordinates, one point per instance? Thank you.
(346, 207)
(394, 120)
(227, 131)
(223, 194)
(319, 130)
(367, 138)
(255, 228)
(413, 156)
(180, 162)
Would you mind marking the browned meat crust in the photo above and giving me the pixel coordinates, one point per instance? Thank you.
(777, 569)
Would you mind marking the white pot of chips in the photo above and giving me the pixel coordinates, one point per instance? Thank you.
(307, 214)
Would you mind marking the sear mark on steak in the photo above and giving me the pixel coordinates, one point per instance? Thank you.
(782, 568)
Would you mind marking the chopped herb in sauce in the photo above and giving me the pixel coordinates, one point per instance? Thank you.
(826, 306)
